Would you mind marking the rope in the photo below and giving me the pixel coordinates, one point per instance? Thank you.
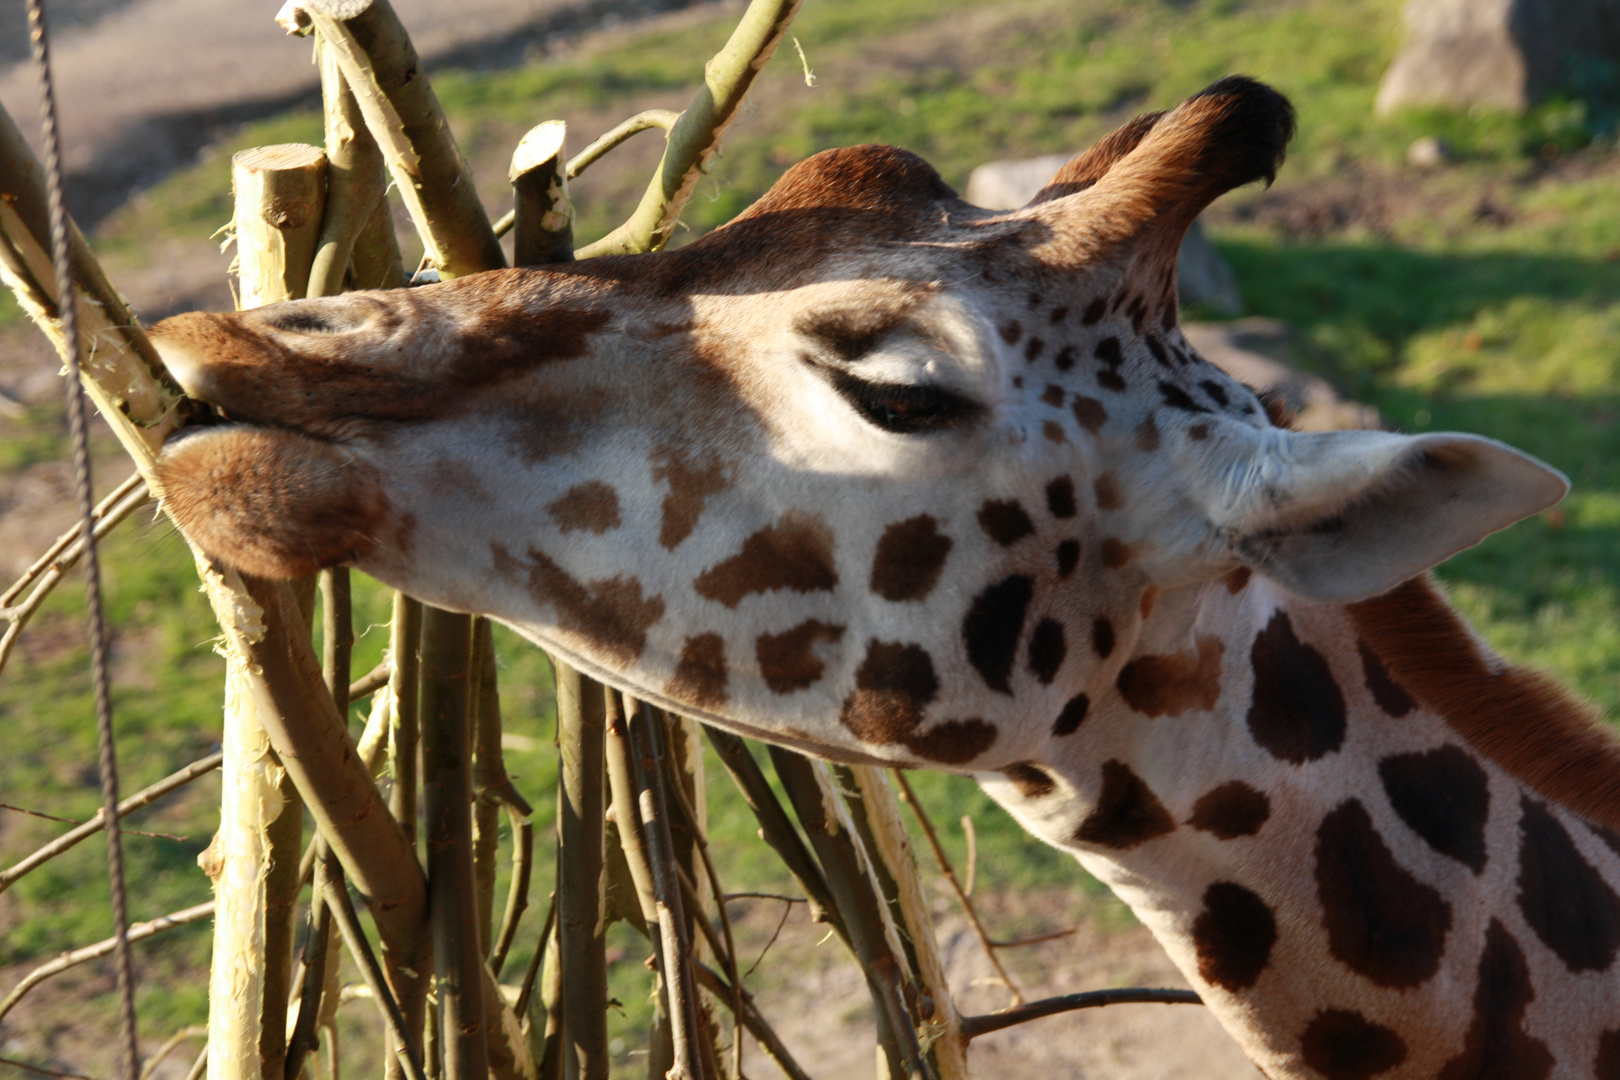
(78, 420)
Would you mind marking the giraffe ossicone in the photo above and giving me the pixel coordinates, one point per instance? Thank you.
(886, 477)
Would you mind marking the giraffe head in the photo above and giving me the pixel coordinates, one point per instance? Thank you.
(869, 470)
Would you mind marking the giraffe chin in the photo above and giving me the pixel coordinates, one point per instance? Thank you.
(273, 503)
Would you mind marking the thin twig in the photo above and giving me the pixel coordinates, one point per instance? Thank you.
(787, 909)
(753, 1020)
(971, 834)
(694, 138)
(76, 821)
(910, 799)
(729, 953)
(133, 483)
(141, 798)
(526, 988)
(42, 1071)
(775, 826)
(57, 568)
(360, 949)
(195, 1031)
(676, 961)
(1036, 940)
(315, 958)
(517, 897)
(974, 1026)
(137, 932)
(580, 723)
(371, 682)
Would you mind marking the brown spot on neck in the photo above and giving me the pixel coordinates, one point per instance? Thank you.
(589, 507)
(1127, 812)
(1497, 1046)
(1147, 435)
(690, 485)
(700, 676)
(1518, 718)
(1170, 684)
(909, 558)
(611, 614)
(788, 662)
(796, 554)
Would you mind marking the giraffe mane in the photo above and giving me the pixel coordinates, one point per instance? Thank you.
(1519, 718)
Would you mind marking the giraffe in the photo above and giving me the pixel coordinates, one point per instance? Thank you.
(887, 478)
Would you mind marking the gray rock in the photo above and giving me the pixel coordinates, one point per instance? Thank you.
(1506, 54)
(1203, 277)
(1429, 152)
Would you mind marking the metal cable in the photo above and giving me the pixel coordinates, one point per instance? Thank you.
(78, 420)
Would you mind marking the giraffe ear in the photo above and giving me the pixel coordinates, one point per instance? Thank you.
(1156, 174)
(1344, 515)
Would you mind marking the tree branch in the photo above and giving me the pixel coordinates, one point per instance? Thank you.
(974, 1026)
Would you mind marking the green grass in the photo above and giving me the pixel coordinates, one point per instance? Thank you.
(1501, 323)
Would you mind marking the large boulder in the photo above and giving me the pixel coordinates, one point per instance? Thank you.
(1203, 277)
(1506, 54)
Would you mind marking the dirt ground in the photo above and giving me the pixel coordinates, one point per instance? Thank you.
(1107, 949)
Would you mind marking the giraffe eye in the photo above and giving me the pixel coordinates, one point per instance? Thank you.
(902, 408)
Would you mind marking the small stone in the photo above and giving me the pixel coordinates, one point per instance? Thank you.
(1429, 152)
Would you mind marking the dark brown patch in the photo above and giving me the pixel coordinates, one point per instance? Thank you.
(700, 677)
(1344, 1045)
(992, 626)
(1127, 812)
(1147, 436)
(1032, 349)
(1520, 719)
(1010, 332)
(893, 685)
(1444, 797)
(690, 485)
(1497, 1046)
(1057, 315)
(953, 742)
(1610, 838)
(1566, 902)
(1145, 602)
(1115, 553)
(1109, 352)
(1216, 392)
(1108, 495)
(1060, 497)
(1234, 809)
(1156, 347)
(1030, 779)
(1004, 521)
(1064, 360)
(1111, 380)
(1068, 557)
(796, 553)
(1237, 579)
(909, 558)
(1170, 684)
(1090, 412)
(1385, 690)
(589, 507)
(1177, 398)
(787, 661)
(1072, 716)
(1053, 432)
(1053, 396)
(1233, 936)
(1381, 922)
(1047, 649)
(1102, 636)
(610, 613)
(1198, 432)
(1298, 712)
(1094, 311)
(1607, 1066)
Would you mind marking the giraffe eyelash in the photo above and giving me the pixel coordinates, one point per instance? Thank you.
(901, 408)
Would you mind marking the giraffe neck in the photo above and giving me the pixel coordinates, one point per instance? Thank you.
(1352, 884)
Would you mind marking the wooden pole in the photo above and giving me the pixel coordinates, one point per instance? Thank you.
(458, 959)
(542, 216)
(580, 719)
(279, 191)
